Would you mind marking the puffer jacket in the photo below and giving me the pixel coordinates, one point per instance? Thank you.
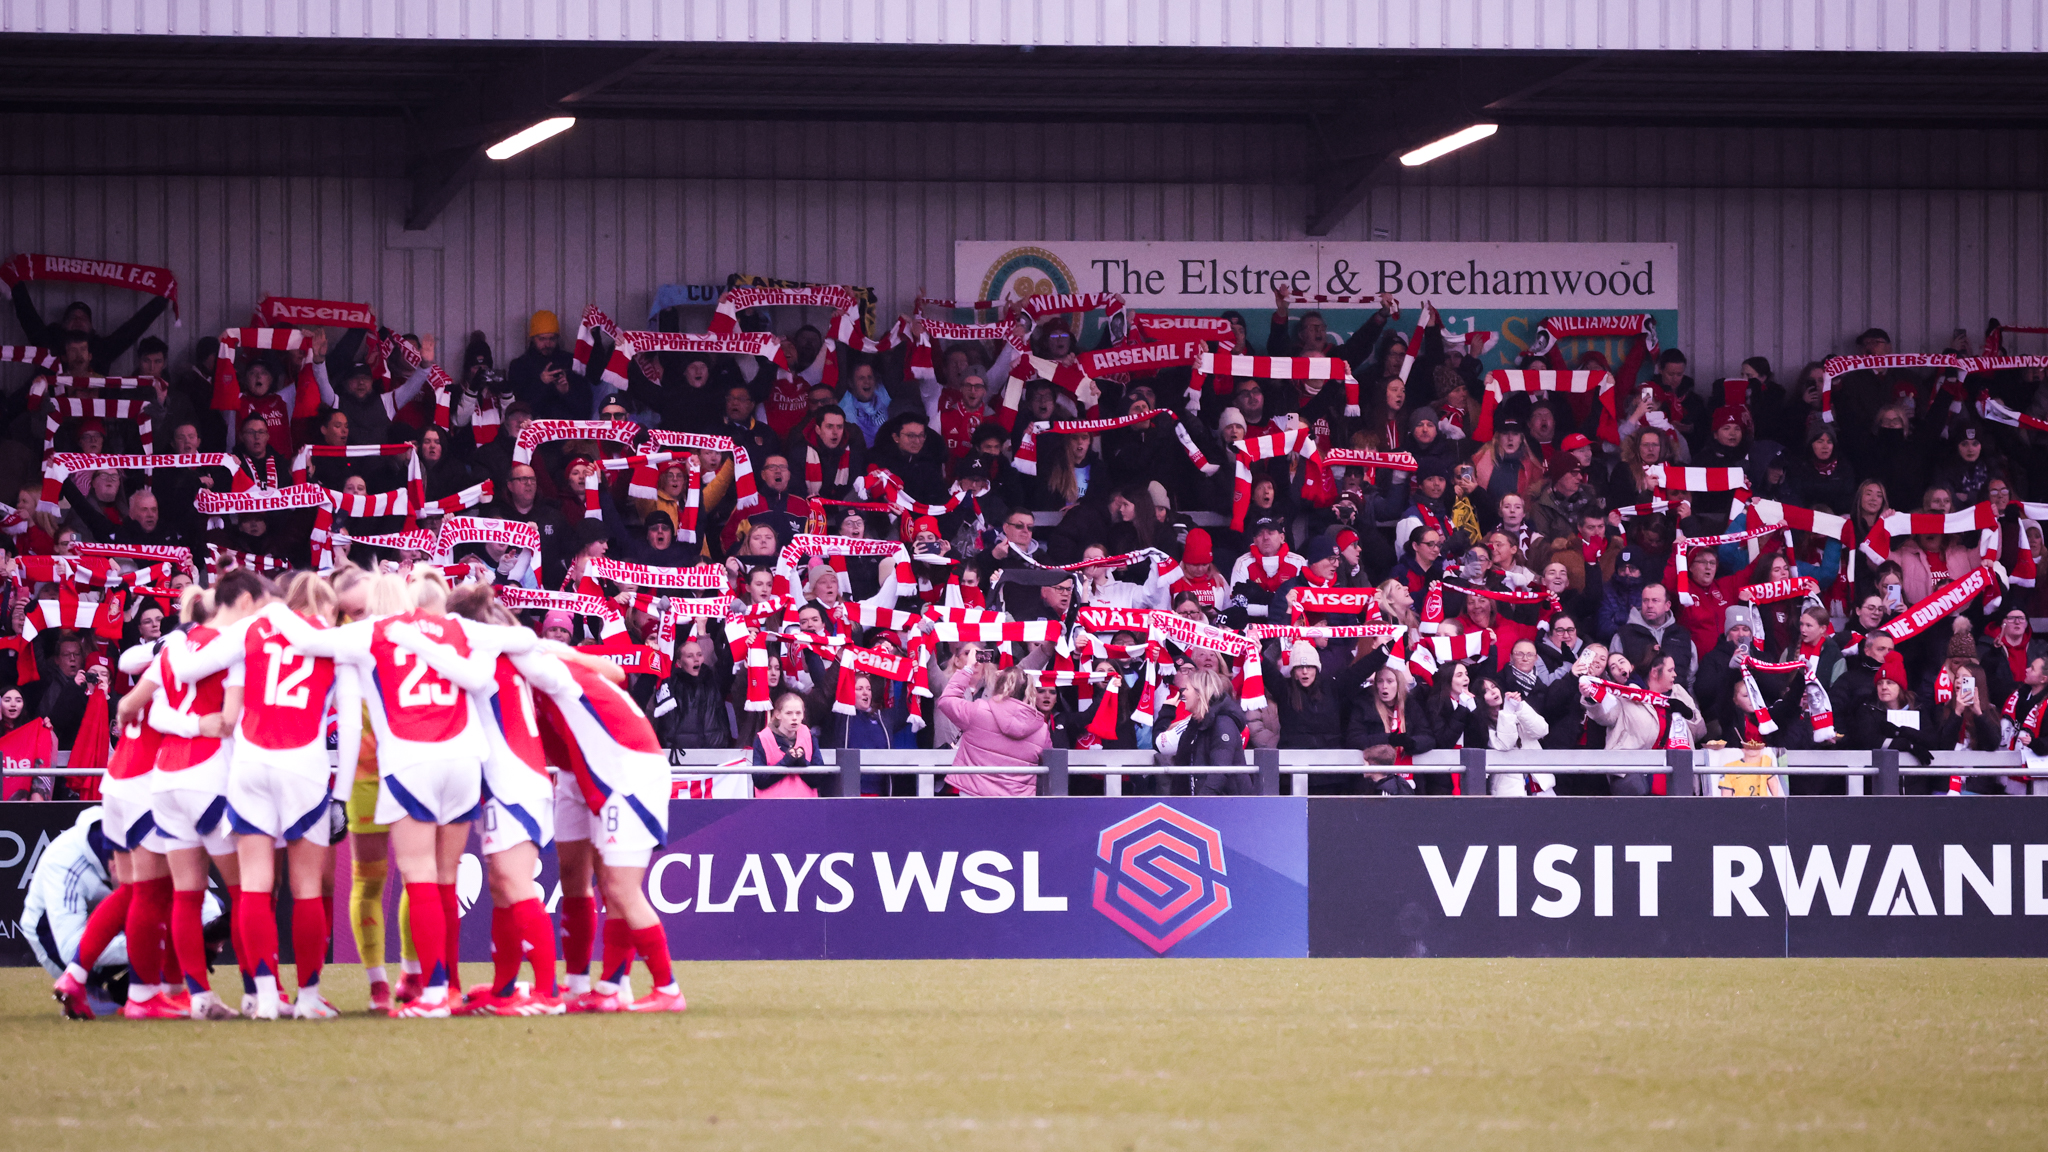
(690, 711)
(993, 734)
(1217, 741)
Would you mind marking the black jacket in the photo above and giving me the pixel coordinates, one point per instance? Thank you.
(1216, 741)
(690, 711)
(1309, 717)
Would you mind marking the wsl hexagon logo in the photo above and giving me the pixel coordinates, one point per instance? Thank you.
(1160, 876)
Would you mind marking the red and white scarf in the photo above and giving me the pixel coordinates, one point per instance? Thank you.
(1942, 604)
(34, 266)
(227, 386)
(1770, 592)
(1026, 460)
(538, 432)
(1253, 449)
(1503, 382)
(1672, 478)
(746, 496)
(541, 599)
(102, 617)
(593, 321)
(1548, 343)
(1428, 655)
(79, 407)
(1878, 543)
(1311, 371)
(59, 467)
(703, 578)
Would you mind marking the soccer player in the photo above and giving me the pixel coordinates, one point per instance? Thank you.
(278, 790)
(622, 773)
(519, 813)
(430, 755)
(362, 596)
(188, 791)
(124, 820)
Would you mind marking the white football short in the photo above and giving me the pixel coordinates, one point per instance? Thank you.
(124, 811)
(189, 818)
(573, 819)
(633, 821)
(445, 792)
(506, 825)
(279, 800)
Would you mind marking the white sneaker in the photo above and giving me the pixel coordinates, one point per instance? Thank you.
(248, 1005)
(314, 1006)
(208, 1006)
(267, 1008)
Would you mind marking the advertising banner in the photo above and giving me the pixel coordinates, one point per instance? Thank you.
(26, 828)
(1809, 876)
(1053, 877)
(1504, 289)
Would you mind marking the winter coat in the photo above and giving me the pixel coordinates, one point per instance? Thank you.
(1003, 733)
(1636, 637)
(1308, 717)
(1217, 741)
(690, 711)
(1519, 725)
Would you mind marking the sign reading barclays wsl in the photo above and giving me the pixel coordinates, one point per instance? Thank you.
(1212, 276)
(902, 879)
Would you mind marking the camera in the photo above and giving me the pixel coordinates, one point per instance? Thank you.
(986, 656)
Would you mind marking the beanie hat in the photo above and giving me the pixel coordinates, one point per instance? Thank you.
(1321, 548)
(1231, 416)
(1199, 549)
(543, 323)
(1304, 655)
(1727, 414)
(1424, 413)
(1346, 538)
(1894, 669)
(1743, 615)
(556, 619)
(1159, 497)
(923, 524)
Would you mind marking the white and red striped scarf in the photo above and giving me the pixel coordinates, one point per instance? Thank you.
(458, 530)
(855, 660)
(1428, 655)
(702, 578)
(746, 496)
(1026, 460)
(303, 460)
(1877, 544)
(1502, 382)
(219, 559)
(227, 386)
(59, 467)
(1311, 371)
(1332, 601)
(43, 358)
(78, 407)
(576, 604)
(102, 617)
(615, 367)
(1291, 632)
(1672, 478)
(538, 432)
(438, 380)
(213, 503)
(1253, 449)
(762, 344)
(149, 553)
(1994, 411)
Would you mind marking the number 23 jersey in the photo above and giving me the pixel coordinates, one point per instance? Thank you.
(420, 716)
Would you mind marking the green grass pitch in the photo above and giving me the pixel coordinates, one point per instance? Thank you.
(1116, 1055)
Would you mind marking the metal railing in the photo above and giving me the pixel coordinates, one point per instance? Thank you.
(1881, 770)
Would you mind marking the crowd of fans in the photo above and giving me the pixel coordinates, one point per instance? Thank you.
(1545, 578)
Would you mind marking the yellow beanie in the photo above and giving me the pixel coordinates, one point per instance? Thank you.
(543, 324)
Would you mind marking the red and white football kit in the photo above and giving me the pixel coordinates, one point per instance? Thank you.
(188, 790)
(280, 780)
(125, 793)
(430, 746)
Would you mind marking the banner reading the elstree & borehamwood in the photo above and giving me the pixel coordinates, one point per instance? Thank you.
(1505, 289)
(925, 879)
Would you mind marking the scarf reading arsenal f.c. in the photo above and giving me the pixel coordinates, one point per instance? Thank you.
(34, 266)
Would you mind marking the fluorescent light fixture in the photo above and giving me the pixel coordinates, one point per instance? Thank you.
(526, 138)
(1451, 143)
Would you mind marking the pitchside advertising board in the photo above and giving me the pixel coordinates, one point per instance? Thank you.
(1284, 876)
(1505, 289)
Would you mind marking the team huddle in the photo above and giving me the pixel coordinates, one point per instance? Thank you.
(447, 711)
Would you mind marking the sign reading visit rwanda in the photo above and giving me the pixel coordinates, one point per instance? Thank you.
(1505, 290)
(906, 879)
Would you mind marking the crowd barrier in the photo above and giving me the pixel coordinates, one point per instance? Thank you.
(1869, 773)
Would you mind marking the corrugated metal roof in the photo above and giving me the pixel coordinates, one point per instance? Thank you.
(1441, 25)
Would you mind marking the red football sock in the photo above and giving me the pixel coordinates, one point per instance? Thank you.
(429, 932)
(107, 921)
(538, 932)
(505, 950)
(188, 935)
(327, 912)
(451, 929)
(237, 937)
(309, 939)
(652, 945)
(148, 909)
(173, 970)
(618, 951)
(257, 920)
(579, 927)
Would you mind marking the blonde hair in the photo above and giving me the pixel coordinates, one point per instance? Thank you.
(1013, 683)
(308, 594)
(1200, 688)
(429, 588)
(195, 605)
(345, 577)
(388, 596)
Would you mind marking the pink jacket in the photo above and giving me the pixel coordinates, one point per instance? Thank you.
(993, 734)
(1916, 581)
